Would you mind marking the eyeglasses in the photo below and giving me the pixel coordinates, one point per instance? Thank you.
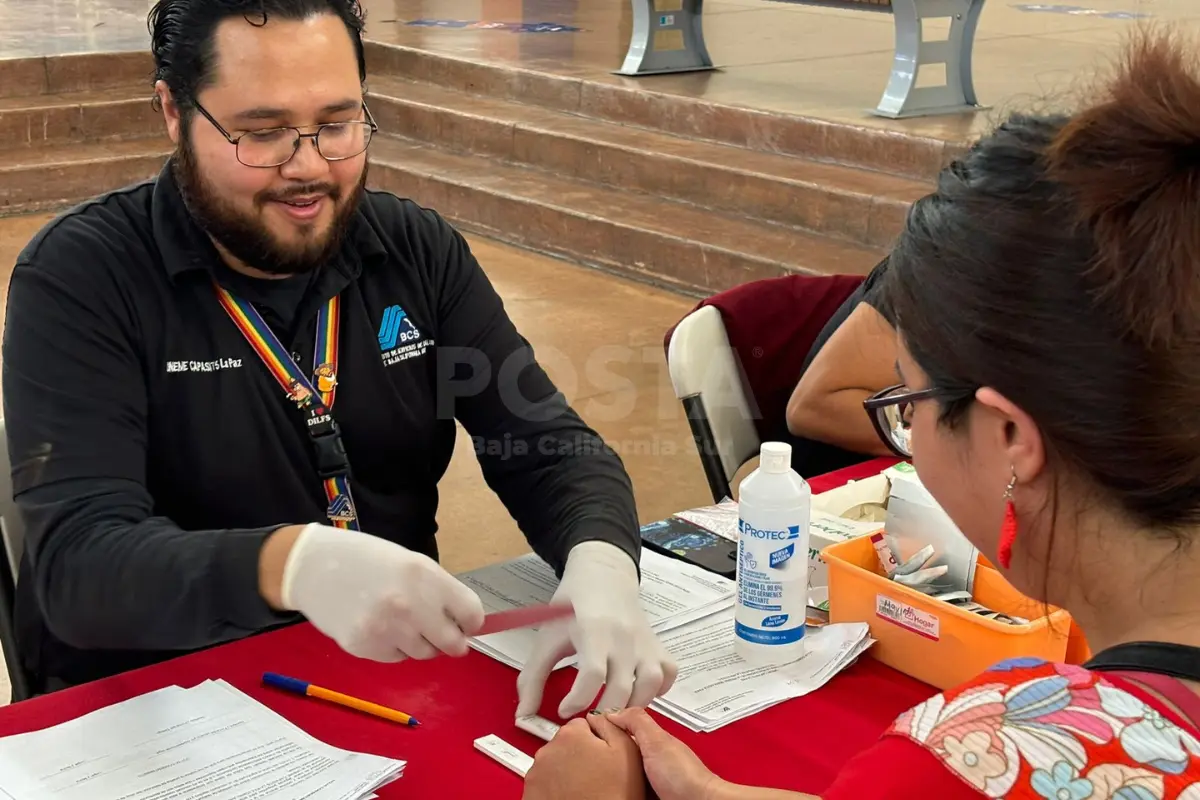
(891, 414)
(273, 147)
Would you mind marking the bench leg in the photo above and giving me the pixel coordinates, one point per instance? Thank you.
(668, 36)
(902, 97)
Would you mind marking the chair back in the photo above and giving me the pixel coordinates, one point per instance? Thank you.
(12, 530)
(736, 358)
(708, 381)
(12, 534)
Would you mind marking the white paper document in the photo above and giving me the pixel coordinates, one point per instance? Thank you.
(721, 519)
(715, 686)
(673, 593)
(210, 742)
(691, 610)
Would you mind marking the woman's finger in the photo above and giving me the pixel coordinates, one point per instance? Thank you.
(638, 724)
(604, 729)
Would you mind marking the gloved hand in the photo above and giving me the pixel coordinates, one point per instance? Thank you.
(610, 633)
(376, 599)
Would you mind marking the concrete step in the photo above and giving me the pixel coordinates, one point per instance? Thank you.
(635, 102)
(76, 72)
(663, 241)
(49, 177)
(835, 200)
(667, 242)
(100, 115)
(593, 178)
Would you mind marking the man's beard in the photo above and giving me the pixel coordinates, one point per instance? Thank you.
(247, 238)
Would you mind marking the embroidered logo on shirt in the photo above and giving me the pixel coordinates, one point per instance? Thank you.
(216, 365)
(396, 328)
(399, 338)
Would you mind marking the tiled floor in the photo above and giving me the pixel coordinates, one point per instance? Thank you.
(801, 58)
(794, 57)
(600, 338)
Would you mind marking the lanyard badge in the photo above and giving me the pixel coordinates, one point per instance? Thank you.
(313, 397)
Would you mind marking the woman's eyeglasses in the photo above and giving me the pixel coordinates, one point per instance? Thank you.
(891, 414)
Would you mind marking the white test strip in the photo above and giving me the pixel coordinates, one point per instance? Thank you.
(540, 727)
(501, 751)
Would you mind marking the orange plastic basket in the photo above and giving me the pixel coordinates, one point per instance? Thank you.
(934, 641)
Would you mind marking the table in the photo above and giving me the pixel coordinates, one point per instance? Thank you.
(459, 700)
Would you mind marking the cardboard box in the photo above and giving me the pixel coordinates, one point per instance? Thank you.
(825, 529)
(864, 500)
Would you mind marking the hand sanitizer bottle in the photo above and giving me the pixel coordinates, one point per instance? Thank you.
(774, 507)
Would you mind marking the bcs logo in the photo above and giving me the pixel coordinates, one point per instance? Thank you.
(396, 329)
(341, 509)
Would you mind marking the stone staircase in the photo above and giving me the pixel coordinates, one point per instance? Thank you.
(668, 189)
(74, 126)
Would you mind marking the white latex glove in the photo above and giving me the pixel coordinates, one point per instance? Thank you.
(610, 633)
(376, 599)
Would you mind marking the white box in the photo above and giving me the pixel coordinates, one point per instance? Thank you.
(823, 530)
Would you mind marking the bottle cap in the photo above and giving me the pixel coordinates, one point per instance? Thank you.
(775, 457)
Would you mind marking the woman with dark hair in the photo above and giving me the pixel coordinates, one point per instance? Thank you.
(1047, 300)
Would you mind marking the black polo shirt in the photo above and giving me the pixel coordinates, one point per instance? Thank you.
(812, 457)
(870, 291)
(152, 452)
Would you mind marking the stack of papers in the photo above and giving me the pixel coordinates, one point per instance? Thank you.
(210, 741)
(673, 593)
(692, 611)
(716, 686)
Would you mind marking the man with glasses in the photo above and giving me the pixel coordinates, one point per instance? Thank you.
(230, 392)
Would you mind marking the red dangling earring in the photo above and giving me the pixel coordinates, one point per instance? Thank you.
(1008, 531)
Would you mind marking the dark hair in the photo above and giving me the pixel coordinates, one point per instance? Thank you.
(182, 33)
(1058, 262)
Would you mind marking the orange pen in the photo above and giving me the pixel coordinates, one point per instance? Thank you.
(308, 690)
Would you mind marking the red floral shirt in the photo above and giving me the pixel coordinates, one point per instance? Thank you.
(1032, 730)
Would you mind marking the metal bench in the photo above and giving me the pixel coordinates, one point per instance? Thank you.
(668, 36)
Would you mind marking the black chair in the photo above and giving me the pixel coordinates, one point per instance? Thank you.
(12, 534)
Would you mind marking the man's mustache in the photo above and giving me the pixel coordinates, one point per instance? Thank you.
(308, 190)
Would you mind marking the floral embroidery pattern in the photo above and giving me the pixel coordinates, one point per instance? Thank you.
(1061, 783)
(1031, 729)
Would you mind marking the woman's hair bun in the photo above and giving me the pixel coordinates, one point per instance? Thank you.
(1129, 163)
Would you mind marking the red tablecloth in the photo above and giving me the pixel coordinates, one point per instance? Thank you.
(458, 700)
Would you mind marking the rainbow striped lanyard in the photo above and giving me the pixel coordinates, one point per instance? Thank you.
(315, 401)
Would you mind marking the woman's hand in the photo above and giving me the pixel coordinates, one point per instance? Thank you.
(592, 760)
(674, 771)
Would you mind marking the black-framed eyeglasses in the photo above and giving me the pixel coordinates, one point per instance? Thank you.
(273, 147)
(891, 413)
